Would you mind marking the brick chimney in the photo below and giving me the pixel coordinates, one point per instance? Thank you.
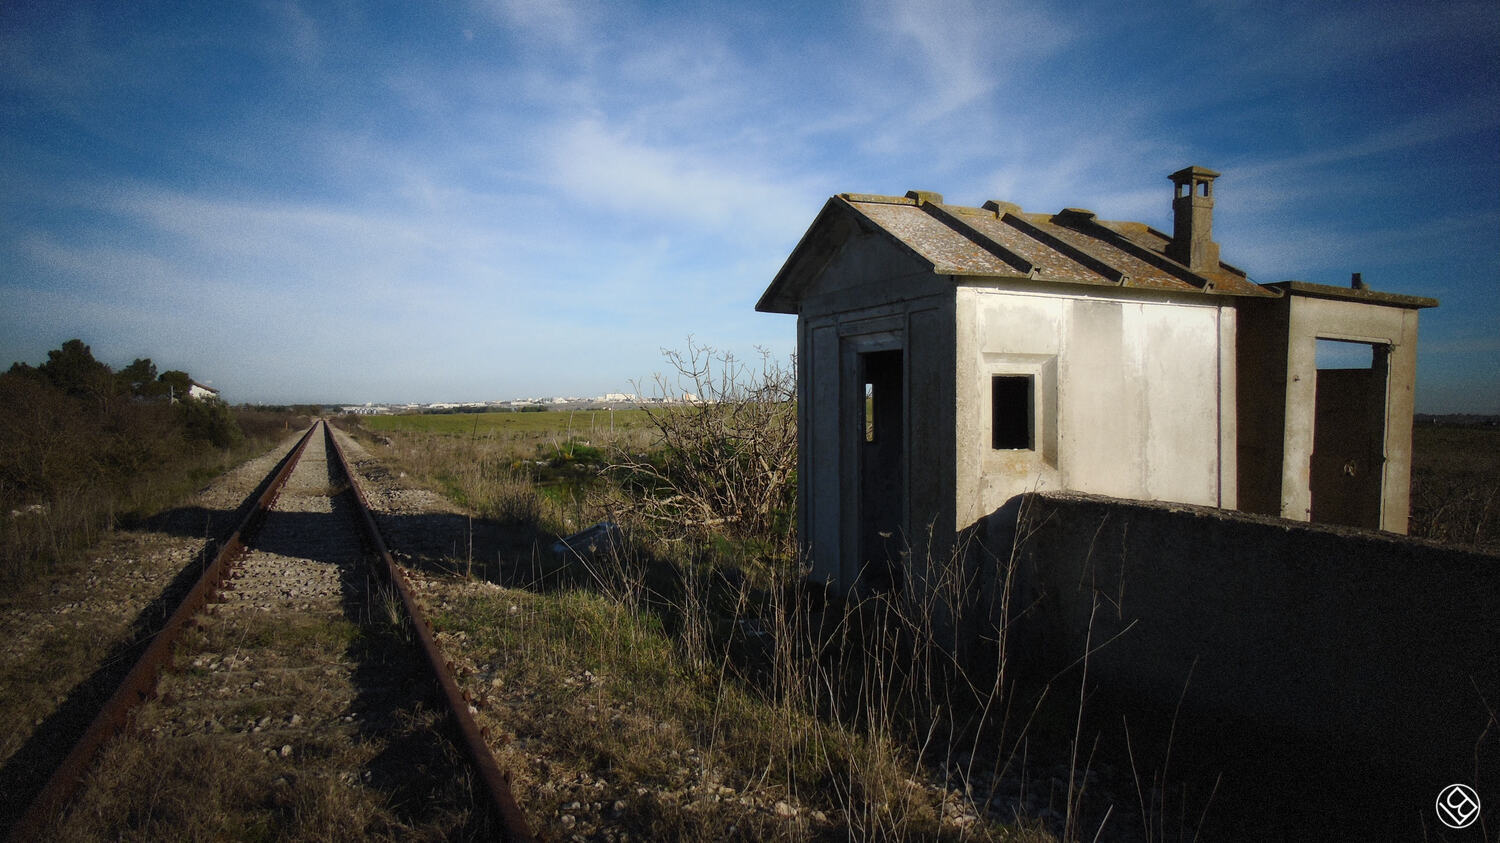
(1193, 219)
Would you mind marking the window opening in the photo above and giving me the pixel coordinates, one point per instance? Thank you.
(869, 411)
(1011, 399)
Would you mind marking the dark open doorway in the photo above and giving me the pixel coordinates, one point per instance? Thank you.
(1347, 470)
(882, 498)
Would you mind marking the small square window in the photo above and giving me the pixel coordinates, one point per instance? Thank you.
(1010, 413)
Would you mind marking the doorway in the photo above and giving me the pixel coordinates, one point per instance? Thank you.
(881, 442)
(1347, 469)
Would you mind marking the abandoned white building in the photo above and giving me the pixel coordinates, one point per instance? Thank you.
(951, 358)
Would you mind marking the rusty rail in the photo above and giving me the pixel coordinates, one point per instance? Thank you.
(139, 685)
(496, 781)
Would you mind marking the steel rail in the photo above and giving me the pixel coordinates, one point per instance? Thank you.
(139, 685)
(496, 781)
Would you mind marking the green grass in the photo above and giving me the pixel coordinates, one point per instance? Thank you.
(577, 423)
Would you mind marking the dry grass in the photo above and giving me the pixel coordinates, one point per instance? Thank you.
(491, 475)
(602, 705)
(356, 761)
(1455, 488)
(208, 788)
(664, 678)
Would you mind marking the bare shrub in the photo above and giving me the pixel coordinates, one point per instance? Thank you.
(724, 456)
(1455, 485)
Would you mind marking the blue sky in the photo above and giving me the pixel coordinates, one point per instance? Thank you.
(477, 200)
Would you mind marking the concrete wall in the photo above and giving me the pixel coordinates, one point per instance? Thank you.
(1278, 410)
(1382, 650)
(1134, 395)
(872, 296)
(1314, 318)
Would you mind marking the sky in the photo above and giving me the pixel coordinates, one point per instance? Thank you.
(486, 199)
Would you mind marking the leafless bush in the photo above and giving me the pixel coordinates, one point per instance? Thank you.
(1455, 485)
(724, 455)
(1456, 510)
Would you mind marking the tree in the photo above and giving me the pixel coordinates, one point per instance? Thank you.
(73, 369)
(139, 378)
(29, 372)
(178, 382)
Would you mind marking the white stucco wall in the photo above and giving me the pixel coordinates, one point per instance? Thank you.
(1130, 395)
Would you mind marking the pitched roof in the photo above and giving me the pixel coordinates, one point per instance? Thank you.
(998, 240)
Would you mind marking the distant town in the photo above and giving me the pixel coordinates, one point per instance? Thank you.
(608, 401)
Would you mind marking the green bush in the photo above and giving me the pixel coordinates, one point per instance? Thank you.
(83, 449)
(209, 421)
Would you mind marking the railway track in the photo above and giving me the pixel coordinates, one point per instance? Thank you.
(297, 693)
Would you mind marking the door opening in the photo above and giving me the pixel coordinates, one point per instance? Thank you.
(882, 445)
(1347, 470)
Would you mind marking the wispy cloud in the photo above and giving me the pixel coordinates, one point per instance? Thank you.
(560, 23)
(963, 50)
(452, 190)
(601, 167)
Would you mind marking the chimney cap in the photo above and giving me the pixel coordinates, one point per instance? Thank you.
(1187, 174)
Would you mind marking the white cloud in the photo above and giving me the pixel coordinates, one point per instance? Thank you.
(560, 22)
(965, 50)
(607, 173)
(601, 167)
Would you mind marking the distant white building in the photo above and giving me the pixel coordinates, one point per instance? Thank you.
(201, 392)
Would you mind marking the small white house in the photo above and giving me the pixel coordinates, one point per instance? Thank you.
(201, 392)
(951, 358)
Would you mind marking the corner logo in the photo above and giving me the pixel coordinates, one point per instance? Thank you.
(1458, 806)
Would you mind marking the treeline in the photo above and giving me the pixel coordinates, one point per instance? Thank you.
(85, 448)
(73, 372)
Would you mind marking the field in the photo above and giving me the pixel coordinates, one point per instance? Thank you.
(1455, 486)
(679, 669)
(688, 674)
(1455, 469)
(827, 723)
(566, 423)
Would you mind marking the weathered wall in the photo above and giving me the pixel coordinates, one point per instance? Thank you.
(1134, 395)
(1278, 408)
(1312, 318)
(1378, 647)
(871, 297)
